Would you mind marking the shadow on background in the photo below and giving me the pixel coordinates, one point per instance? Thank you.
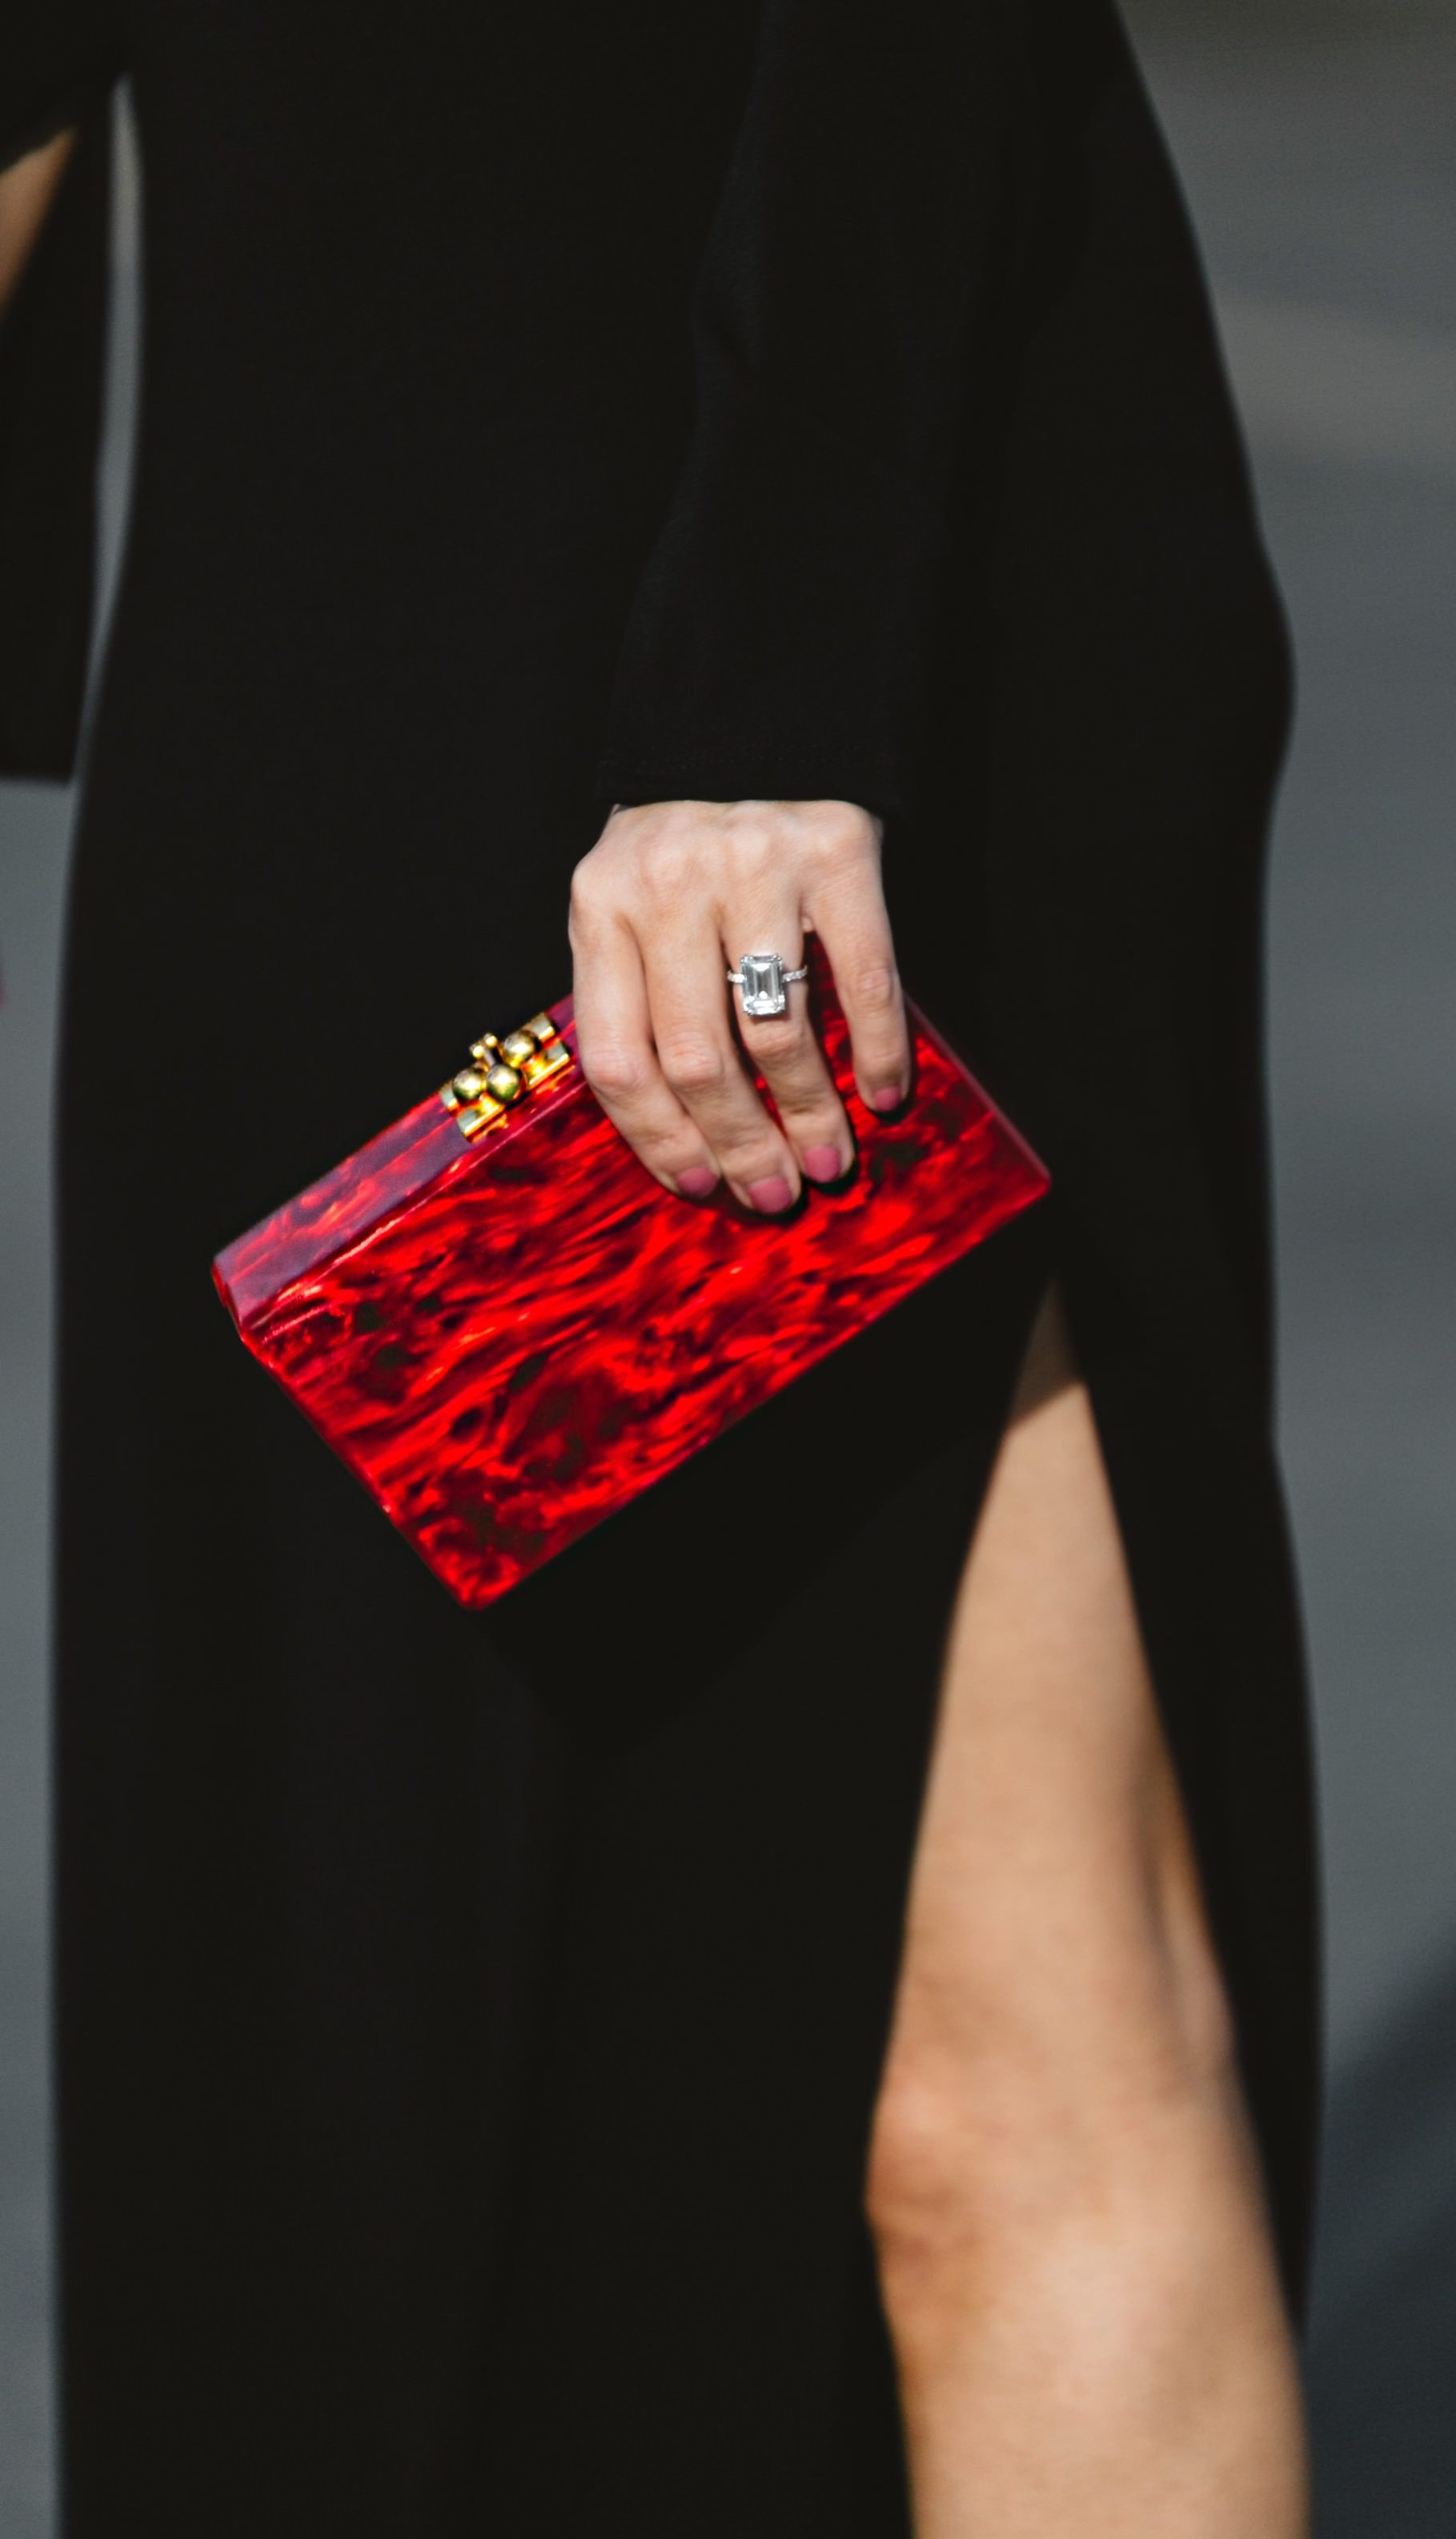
(1383, 2346)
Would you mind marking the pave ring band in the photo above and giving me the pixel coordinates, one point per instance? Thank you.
(761, 981)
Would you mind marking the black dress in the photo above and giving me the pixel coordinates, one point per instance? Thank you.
(469, 2026)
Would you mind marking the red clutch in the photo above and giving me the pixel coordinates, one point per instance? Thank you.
(507, 1329)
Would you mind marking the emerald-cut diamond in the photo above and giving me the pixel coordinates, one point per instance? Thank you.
(762, 981)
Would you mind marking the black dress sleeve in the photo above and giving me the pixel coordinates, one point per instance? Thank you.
(843, 330)
(57, 64)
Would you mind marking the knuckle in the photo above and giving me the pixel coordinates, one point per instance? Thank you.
(616, 1071)
(813, 1118)
(752, 850)
(661, 1146)
(783, 1042)
(837, 838)
(746, 1140)
(585, 884)
(666, 868)
(693, 1063)
(874, 986)
(750, 1158)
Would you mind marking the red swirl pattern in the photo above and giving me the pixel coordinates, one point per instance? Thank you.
(507, 1340)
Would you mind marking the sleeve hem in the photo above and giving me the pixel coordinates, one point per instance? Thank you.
(776, 647)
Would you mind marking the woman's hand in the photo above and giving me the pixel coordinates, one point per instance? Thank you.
(668, 900)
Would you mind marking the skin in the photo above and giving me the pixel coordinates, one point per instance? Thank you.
(1074, 2251)
(670, 896)
(26, 191)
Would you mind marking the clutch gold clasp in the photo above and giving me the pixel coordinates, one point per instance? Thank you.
(502, 1071)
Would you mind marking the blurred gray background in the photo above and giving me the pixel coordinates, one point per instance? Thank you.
(1317, 141)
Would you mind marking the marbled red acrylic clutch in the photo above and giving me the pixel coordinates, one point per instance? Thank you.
(507, 1329)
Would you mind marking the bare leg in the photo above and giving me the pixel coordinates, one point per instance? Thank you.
(1072, 2246)
(26, 191)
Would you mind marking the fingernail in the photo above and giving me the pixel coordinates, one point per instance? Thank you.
(772, 1195)
(824, 1164)
(888, 1098)
(697, 1182)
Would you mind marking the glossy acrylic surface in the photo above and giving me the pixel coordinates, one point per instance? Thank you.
(508, 1340)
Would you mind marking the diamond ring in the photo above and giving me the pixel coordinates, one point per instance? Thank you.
(761, 980)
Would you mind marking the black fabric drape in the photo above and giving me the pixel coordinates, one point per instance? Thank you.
(848, 324)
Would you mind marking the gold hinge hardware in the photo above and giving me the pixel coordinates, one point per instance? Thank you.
(501, 1071)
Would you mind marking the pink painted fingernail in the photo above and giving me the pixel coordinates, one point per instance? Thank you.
(824, 1164)
(888, 1098)
(772, 1195)
(697, 1182)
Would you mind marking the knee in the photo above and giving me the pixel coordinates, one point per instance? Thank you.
(1017, 2162)
(924, 2184)
(956, 2153)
